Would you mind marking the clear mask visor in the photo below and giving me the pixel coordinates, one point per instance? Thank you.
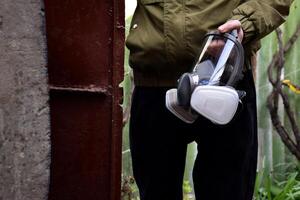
(222, 53)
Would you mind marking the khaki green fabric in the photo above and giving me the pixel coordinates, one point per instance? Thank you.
(166, 35)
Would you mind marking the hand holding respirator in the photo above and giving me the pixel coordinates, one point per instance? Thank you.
(208, 89)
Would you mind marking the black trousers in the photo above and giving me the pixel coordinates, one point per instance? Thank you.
(225, 166)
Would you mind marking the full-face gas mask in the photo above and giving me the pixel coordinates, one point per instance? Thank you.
(209, 89)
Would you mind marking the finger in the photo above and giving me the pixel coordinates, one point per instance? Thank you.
(214, 48)
(230, 25)
(240, 34)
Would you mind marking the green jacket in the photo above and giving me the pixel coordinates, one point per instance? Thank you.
(166, 35)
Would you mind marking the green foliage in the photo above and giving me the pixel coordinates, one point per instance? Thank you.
(129, 190)
(269, 188)
(187, 191)
(274, 159)
(127, 87)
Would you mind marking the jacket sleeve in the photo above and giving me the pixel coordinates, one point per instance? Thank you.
(260, 17)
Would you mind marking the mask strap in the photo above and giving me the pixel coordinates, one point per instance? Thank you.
(214, 79)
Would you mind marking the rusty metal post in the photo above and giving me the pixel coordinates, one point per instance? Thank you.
(85, 63)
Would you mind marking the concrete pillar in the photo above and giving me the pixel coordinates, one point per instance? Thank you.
(24, 111)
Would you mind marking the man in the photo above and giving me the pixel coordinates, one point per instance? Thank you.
(164, 40)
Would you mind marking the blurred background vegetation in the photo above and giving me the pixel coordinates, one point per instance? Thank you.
(277, 172)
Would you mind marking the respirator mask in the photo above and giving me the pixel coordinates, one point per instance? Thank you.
(209, 89)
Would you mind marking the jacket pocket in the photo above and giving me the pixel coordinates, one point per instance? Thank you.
(146, 36)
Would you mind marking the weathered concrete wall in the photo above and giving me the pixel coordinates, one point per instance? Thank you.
(24, 112)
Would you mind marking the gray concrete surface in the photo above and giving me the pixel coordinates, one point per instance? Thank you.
(24, 111)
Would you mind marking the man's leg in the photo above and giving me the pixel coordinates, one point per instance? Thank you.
(157, 146)
(225, 167)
